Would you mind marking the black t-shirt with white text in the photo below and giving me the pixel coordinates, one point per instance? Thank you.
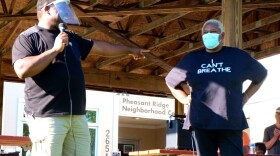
(216, 81)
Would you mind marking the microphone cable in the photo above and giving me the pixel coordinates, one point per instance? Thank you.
(193, 142)
(70, 97)
(62, 27)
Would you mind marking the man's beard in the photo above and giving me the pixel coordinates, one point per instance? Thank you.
(55, 22)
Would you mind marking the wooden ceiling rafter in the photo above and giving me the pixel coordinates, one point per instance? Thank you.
(129, 23)
(144, 29)
(261, 22)
(9, 37)
(165, 40)
(110, 79)
(260, 40)
(266, 53)
(170, 38)
(86, 5)
(176, 9)
(155, 24)
(147, 10)
(118, 37)
(12, 5)
(268, 10)
(181, 51)
(141, 5)
(144, 3)
(149, 20)
(22, 11)
(155, 10)
(26, 16)
(14, 28)
(4, 7)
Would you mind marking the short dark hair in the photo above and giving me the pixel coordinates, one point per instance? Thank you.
(261, 146)
(277, 110)
(41, 3)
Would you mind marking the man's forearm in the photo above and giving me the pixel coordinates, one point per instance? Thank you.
(108, 49)
(33, 65)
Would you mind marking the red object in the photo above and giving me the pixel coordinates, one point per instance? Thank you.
(15, 140)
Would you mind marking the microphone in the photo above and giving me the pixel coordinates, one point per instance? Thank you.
(62, 27)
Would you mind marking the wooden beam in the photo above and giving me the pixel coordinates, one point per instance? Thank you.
(191, 47)
(177, 35)
(108, 31)
(156, 10)
(99, 65)
(87, 31)
(154, 24)
(4, 24)
(170, 37)
(261, 22)
(125, 80)
(109, 79)
(22, 11)
(261, 40)
(167, 39)
(12, 5)
(185, 49)
(141, 4)
(267, 53)
(232, 21)
(4, 6)
(26, 16)
(29, 6)
(9, 37)
(119, 38)
(7, 69)
(180, 34)
(177, 9)
(145, 3)
(145, 28)
(91, 2)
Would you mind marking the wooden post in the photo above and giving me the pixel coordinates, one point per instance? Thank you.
(232, 21)
(1, 99)
(179, 108)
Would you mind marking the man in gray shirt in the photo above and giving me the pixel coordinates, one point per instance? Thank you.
(271, 135)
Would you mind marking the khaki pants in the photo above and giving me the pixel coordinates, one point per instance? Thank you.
(59, 136)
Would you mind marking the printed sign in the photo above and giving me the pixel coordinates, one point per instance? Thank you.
(145, 106)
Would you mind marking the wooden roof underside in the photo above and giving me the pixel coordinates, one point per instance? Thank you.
(169, 28)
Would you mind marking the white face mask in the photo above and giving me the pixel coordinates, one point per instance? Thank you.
(65, 12)
(211, 40)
